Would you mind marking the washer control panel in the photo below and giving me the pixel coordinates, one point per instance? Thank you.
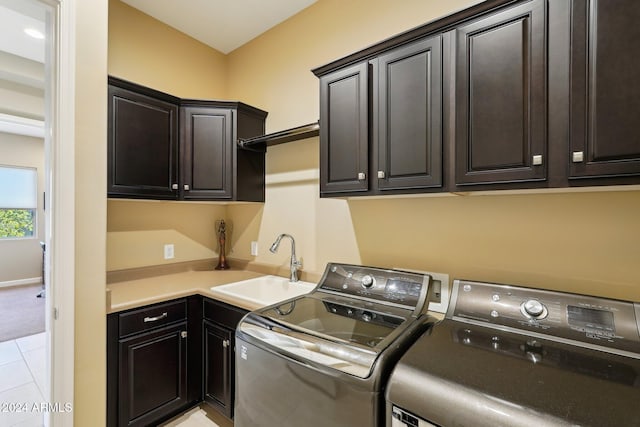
(612, 324)
(391, 286)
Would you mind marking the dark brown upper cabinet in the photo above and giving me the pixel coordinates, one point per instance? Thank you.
(500, 97)
(213, 166)
(605, 89)
(383, 115)
(407, 116)
(143, 144)
(344, 130)
(162, 147)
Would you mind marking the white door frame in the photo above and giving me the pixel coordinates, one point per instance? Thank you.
(60, 230)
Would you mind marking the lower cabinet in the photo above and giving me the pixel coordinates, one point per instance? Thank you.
(145, 395)
(219, 323)
(165, 358)
(218, 361)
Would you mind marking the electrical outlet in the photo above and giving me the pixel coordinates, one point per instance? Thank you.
(168, 251)
(254, 248)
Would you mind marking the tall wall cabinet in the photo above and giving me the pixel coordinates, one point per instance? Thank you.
(507, 94)
(163, 147)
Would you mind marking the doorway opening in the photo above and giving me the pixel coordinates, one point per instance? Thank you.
(29, 131)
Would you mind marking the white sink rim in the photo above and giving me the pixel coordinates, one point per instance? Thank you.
(253, 290)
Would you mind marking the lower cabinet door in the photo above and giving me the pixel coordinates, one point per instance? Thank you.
(218, 367)
(152, 376)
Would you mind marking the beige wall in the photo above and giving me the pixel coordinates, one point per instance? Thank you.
(190, 227)
(22, 258)
(89, 407)
(145, 51)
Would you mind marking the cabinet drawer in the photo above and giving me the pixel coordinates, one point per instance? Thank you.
(223, 314)
(152, 317)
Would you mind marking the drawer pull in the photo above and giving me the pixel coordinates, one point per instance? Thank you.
(155, 319)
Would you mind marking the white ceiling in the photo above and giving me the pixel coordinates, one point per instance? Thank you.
(21, 68)
(224, 25)
(13, 38)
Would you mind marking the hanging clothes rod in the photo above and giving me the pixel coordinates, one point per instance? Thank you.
(293, 134)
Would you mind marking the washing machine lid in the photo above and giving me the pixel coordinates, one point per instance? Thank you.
(341, 333)
(509, 355)
(460, 374)
(343, 320)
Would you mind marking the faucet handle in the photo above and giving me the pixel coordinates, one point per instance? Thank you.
(297, 263)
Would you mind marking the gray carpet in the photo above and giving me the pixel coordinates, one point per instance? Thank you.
(21, 313)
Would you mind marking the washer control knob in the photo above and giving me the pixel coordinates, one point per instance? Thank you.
(366, 316)
(534, 308)
(367, 281)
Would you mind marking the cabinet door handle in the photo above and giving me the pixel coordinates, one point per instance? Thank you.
(186, 187)
(174, 186)
(577, 156)
(361, 176)
(537, 160)
(183, 334)
(381, 175)
(225, 343)
(155, 319)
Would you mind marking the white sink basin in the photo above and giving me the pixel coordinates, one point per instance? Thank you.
(265, 290)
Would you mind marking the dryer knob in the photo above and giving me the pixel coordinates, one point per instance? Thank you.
(534, 308)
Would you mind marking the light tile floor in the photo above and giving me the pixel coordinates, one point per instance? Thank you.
(200, 416)
(22, 374)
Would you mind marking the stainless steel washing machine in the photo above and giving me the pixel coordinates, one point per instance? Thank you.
(514, 356)
(322, 359)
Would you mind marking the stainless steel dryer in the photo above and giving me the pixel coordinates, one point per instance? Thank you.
(322, 359)
(513, 356)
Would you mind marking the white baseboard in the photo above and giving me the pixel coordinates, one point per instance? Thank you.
(21, 282)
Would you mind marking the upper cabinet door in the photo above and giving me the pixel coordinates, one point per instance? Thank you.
(344, 147)
(409, 116)
(143, 146)
(207, 153)
(500, 102)
(605, 89)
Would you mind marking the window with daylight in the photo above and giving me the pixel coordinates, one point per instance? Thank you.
(18, 202)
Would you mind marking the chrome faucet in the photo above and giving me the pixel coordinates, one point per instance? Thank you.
(295, 264)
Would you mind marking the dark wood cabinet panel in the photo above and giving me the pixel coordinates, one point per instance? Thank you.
(152, 375)
(153, 362)
(383, 116)
(605, 89)
(143, 145)
(500, 101)
(409, 116)
(207, 153)
(219, 323)
(344, 148)
(218, 367)
(163, 147)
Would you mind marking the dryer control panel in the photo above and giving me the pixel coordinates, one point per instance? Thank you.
(613, 325)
